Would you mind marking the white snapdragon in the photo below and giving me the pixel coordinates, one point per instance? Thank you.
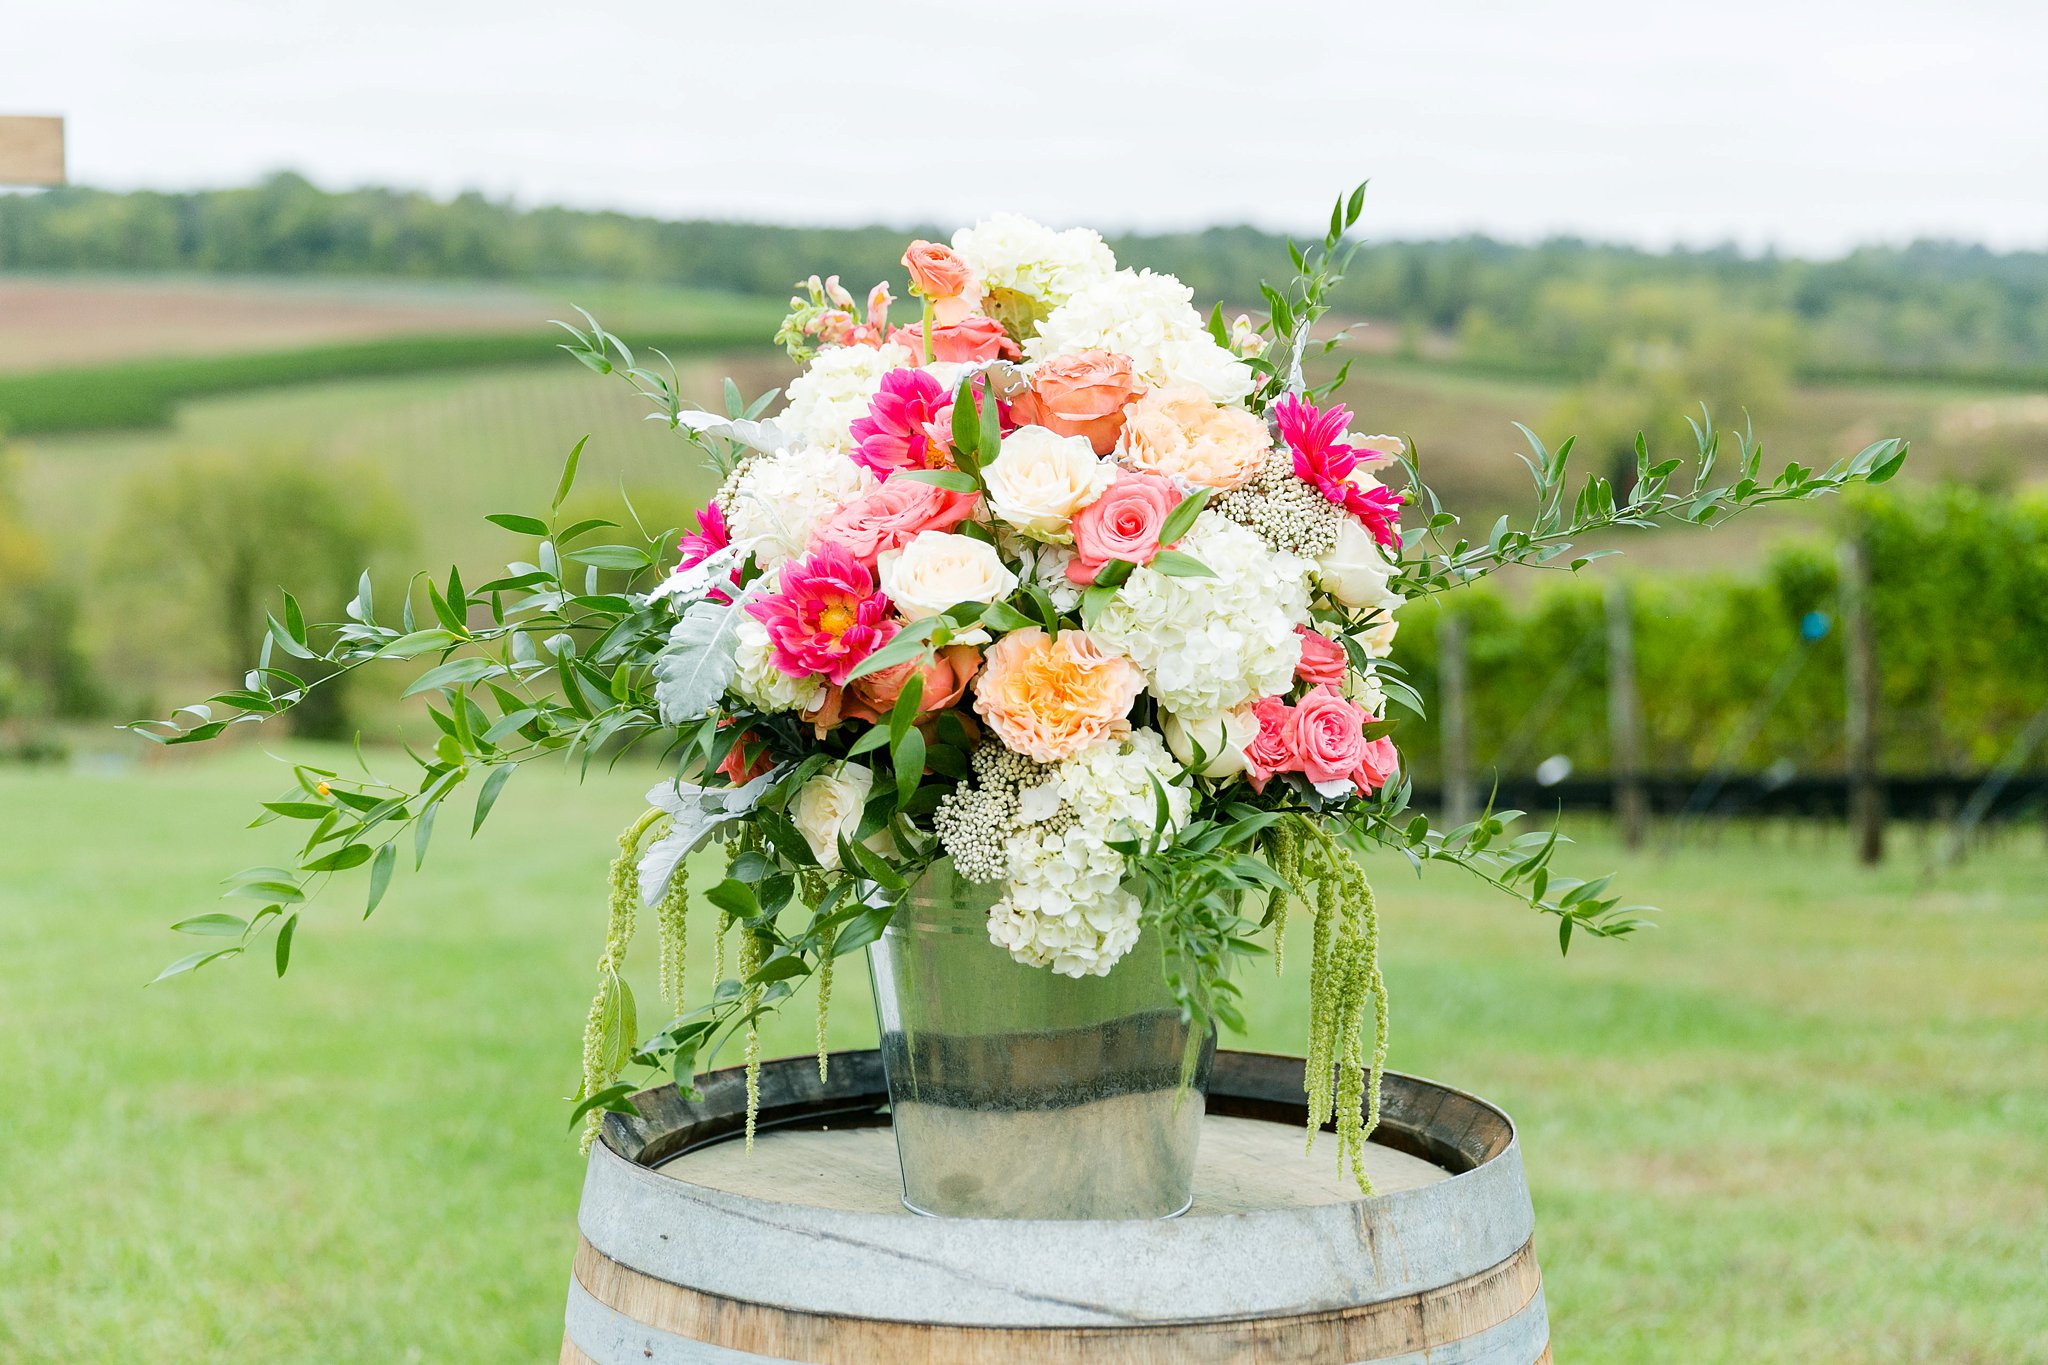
(779, 501)
(1207, 645)
(1152, 319)
(829, 397)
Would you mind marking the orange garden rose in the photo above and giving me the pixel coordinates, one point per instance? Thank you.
(1080, 395)
(1049, 698)
(1180, 430)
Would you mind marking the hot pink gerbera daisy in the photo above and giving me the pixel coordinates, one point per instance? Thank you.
(827, 616)
(1323, 458)
(897, 432)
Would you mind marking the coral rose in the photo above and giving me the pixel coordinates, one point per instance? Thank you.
(872, 696)
(1327, 735)
(1049, 698)
(968, 341)
(1081, 395)
(1180, 430)
(889, 517)
(1121, 524)
(1322, 659)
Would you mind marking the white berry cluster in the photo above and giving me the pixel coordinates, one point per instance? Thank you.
(1286, 511)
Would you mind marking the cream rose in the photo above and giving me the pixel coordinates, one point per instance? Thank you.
(1356, 572)
(1039, 479)
(828, 807)
(938, 569)
(1178, 430)
(1222, 736)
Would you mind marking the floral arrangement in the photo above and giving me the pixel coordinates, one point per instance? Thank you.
(1060, 580)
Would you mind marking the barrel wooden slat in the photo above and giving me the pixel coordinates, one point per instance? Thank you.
(670, 1272)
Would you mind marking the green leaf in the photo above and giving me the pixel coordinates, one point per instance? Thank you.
(284, 942)
(341, 859)
(380, 875)
(624, 558)
(195, 961)
(219, 923)
(454, 673)
(513, 521)
(494, 782)
(568, 475)
(1175, 564)
(1182, 517)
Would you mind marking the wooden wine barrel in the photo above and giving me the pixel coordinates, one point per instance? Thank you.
(695, 1253)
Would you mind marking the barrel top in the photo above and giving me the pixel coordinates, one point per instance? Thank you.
(671, 1197)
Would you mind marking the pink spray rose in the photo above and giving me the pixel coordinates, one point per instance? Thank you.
(826, 617)
(1121, 524)
(896, 433)
(1378, 765)
(1322, 659)
(1327, 735)
(891, 515)
(1269, 752)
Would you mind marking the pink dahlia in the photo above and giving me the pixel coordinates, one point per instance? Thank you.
(896, 433)
(826, 617)
(1323, 458)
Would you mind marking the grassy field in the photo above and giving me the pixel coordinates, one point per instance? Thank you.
(1801, 1121)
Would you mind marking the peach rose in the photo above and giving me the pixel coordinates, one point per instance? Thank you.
(1080, 395)
(1049, 698)
(1121, 524)
(872, 696)
(1179, 430)
(1322, 659)
(935, 272)
(1327, 735)
(889, 516)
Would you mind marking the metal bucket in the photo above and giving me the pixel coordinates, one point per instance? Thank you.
(1019, 1093)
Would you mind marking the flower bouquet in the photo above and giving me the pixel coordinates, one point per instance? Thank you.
(1042, 645)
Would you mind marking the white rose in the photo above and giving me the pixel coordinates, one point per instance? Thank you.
(1356, 571)
(938, 569)
(1039, 480)
(828, 807)
(1223, 738)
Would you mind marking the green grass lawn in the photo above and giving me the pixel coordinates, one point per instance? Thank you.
(1801, 1121)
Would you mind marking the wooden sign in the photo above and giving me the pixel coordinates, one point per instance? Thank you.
(31, 151)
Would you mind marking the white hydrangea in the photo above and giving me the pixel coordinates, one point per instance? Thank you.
(779, 501)
(1152, 319)
(1209, 644)
(1065, 906)
(1030, 262)
(829, 397)
(759, 683)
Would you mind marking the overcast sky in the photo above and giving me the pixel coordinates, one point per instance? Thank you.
(1807, 124)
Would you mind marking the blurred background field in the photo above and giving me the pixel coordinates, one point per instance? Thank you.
(1799, 1121)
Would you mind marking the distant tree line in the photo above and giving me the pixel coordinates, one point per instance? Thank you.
(1938, 310)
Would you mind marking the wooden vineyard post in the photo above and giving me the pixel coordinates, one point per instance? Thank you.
(1451, 714)
(1866, 795)
(31, 151)
(1624, 720)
